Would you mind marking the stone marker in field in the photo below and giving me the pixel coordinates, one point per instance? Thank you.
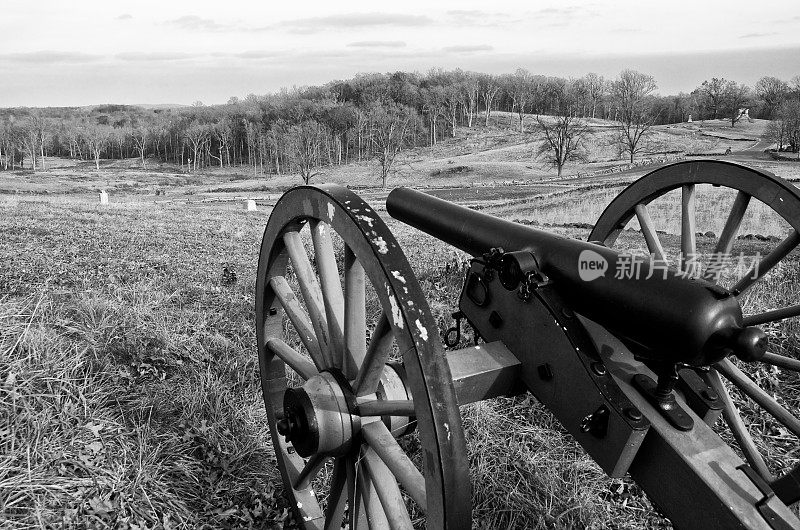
(103, 197)
(251, 205)
(690, 119)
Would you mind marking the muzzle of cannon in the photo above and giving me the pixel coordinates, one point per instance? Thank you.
(627, 353)
(662, 314)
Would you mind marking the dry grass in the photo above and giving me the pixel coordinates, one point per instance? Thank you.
(129, 395)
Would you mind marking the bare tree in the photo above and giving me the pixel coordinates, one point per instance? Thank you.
(6, 144)
(564, 140)
(631, 92)
(96, 138)
(389, 128)
(489, 87)
(788, 116)
(596, 88)
(714, 92)
(197, 135)
(452, 102)
(433, 105)
(140, 136)
(41, 127)
(223, 132)
(305, 141)
(772, 92)
(470, 97)
(734, 98)
(28, 139)
(521, 93)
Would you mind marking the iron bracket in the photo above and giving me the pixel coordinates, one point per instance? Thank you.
(666, 404)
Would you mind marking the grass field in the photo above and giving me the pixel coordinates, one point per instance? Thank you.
(129, 391)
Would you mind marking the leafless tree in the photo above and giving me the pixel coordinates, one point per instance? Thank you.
(521, 93)
(772, 91)
(788, 116)
(734, 98)
(196, 134)
(596, 88)
(470, 97)
(305, 141)
(141, 135)
(96, 138)
(714, 92)
(389, 131)
(489, 87)
(631, 92)
(564, 140)
(223, 132)
(28, 139)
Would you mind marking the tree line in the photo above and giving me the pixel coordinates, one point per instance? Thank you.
(374, 116)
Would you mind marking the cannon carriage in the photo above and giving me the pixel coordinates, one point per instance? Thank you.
(358, 387)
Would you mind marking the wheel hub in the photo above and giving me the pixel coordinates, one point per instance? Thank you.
(321, 417)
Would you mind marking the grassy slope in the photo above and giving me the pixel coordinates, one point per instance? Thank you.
(128, 389)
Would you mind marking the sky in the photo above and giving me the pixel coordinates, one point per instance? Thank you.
(56, 53)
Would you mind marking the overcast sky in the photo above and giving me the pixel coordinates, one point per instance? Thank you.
(55, 53)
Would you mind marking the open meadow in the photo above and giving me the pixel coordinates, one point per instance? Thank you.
(129, 387)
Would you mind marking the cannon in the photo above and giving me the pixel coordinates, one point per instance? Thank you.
(363, 402)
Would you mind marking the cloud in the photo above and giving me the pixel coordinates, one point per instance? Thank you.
(377, 44)
(155, 56)
(476, 17)
(195, 23)
(756, 35)
(258, 54)
(466, 13)
(355, 20)
(562, 16)
(557, 11)
(468, 48)
(124, 16)
(49, 57)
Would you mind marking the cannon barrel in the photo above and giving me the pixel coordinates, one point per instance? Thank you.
(665, 315)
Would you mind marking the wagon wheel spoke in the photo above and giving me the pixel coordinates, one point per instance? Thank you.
(340, 487)
(299, 318)
(386, 448)
(312, 295)
(781, 361)
(309, 471)
(728, 235)
(293, 358)
(355, 316)
(380, 346)
(739, 429)
(400, 407)
(767, 263)
(331, 288)
(357, 514)
(733, 374)
(369, 495)
(772, 316)
(650, 235)
(688, 228)
(389, 494)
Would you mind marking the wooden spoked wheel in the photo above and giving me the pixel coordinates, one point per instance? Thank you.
(694, 186)
(341, 414)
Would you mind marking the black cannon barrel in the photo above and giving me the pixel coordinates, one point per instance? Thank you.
(670, 316)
